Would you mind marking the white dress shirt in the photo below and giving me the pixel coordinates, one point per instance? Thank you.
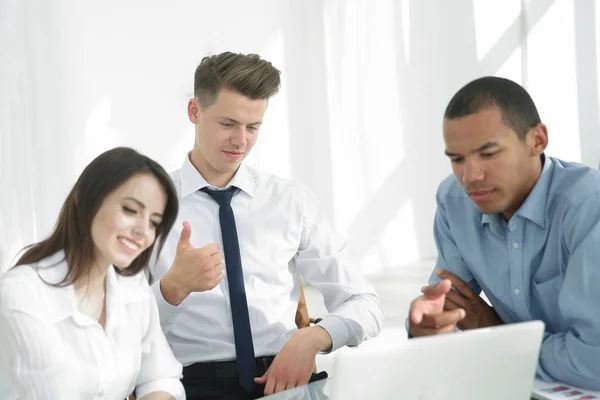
(283, 235)
(50, 350)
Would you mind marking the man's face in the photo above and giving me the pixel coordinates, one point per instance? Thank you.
(495, 168)
(226, 132)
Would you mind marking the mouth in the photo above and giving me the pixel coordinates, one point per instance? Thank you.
(129, 245)
(481, 196)
(235, 155)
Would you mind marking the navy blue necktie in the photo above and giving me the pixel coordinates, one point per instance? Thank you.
(244, 348)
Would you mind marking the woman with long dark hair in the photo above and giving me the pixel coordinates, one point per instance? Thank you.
(77, 317)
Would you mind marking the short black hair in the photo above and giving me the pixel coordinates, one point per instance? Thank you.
(516, 105)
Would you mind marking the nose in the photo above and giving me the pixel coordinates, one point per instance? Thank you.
(472, 172)
(238, 136)
(141, 229)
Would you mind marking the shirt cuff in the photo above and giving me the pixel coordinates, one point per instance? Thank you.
(166, 311)
(173, 386)
(338, 329)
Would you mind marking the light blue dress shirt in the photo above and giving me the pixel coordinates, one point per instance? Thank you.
(544, 264)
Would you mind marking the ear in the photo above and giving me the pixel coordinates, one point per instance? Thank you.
(193, 109)
(537, 139)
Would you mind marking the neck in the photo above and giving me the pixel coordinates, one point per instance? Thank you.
(527, 188)
(93, 281)
(212, 176)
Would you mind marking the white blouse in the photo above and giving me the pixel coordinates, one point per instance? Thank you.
(50, 350)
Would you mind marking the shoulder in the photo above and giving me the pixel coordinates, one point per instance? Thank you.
(450, 191)
(573, 184)
(20, 289)
(279, 187)
(176, 179)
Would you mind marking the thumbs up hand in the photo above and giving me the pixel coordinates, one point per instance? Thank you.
(194, 269)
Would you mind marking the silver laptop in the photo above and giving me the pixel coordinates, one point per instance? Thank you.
(483, 364)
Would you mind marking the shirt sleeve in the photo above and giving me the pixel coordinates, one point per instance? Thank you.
(574, 356)
(155, 271)
(29, 359)
(449, 257)
(325, 263)
(160, 371)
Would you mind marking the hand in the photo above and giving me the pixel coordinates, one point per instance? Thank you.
(478, 313)
(194, 270)
(427, 316)
(294, 364)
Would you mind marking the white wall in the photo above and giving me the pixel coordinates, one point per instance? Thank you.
(365, 83)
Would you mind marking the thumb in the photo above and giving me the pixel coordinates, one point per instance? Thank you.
(261, 380)
(186, 233)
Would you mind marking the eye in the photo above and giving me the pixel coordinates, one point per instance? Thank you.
(129, 211)
(253, 128)
(155, 224)
(489, 155)
(456, 160)
(226, 124)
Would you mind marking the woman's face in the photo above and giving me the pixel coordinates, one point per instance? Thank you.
(125, 225)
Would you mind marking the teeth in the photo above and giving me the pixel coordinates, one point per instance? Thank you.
(128, 244)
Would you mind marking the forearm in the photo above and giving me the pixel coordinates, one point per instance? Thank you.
(167, 311)
(566, 358)
(357, 319)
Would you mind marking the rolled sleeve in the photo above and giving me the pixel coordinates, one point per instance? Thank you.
(325, 263)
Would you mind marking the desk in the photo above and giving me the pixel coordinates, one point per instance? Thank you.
(321, 390)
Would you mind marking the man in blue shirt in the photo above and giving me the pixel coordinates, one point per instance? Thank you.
(519, 226)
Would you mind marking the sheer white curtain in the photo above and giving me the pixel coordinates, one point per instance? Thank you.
(358, 118)
(34, 147)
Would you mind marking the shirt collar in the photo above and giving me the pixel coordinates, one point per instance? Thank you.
(534, 206)
(120, 290)
(192, 180)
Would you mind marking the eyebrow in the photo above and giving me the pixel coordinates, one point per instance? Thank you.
(483, 147)
(142, 205)
(237, 122)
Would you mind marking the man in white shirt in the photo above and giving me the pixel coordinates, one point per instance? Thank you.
(268, 232)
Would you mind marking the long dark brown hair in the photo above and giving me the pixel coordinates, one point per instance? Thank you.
(72, 233)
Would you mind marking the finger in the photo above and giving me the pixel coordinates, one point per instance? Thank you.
(443, 318)
(218, 269)
(419, 331)
(434, 292)
(261, 380)
(280, 386)
(458, 299)
(218, 257)
(270, 385)
(449, 305)
(419, 307)
(186, 234)
(457, 283)
(217, 279)
(212, 248)
(416, 311)
(291, 385)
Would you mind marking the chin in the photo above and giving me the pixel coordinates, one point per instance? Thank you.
(122, 262)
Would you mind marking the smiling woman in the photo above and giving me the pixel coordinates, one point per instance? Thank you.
(77, 318)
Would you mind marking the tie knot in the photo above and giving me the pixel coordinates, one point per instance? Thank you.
(223, 197)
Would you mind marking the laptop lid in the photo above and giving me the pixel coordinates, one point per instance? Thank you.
(490, 363)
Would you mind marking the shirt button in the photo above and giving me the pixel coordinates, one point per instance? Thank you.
(517, 291)
(515, 245)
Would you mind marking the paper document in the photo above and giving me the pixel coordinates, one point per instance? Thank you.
(554, 391)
